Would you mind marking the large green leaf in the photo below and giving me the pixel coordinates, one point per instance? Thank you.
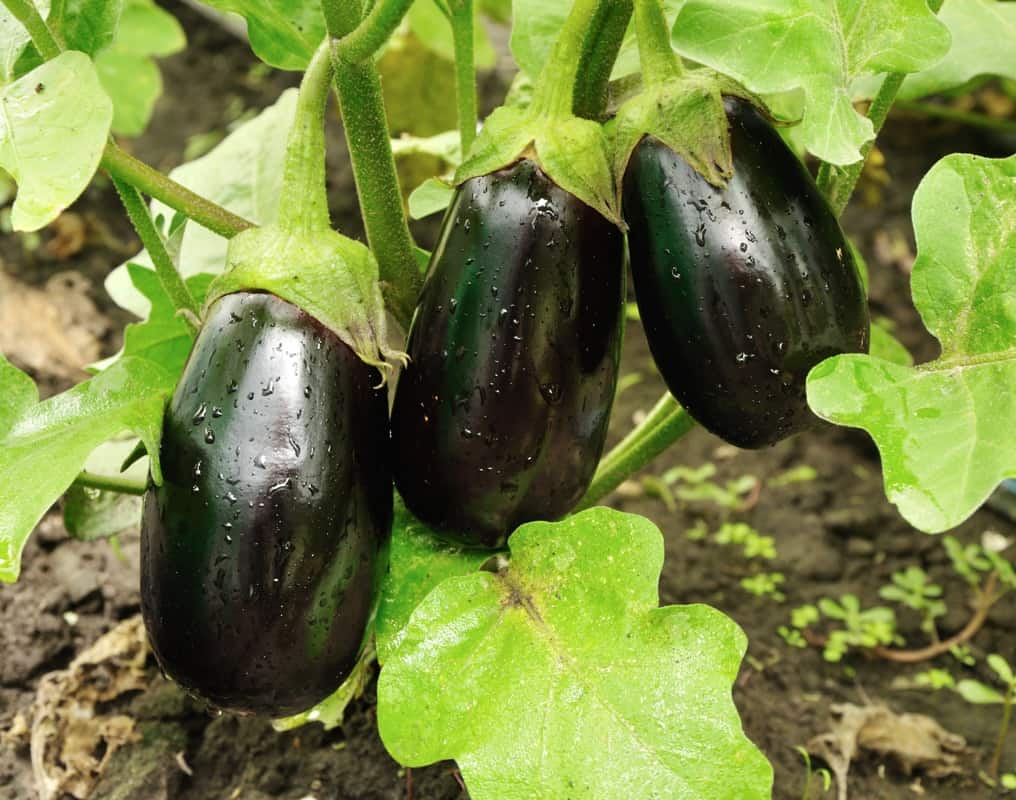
(419, 560)
(54, 122)
(946, 430)
(126, 69)
(243, 173)
(774, 46)
(559, 676)
(283, 33)
(44, 445)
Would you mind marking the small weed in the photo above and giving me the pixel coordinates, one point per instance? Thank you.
(765, 584)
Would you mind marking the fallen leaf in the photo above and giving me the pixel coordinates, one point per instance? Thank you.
(914, 742)
(70, 234)
(71, 740)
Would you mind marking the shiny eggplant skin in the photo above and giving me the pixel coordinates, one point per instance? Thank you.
(741, 290)
(259, 553)
(501, 415)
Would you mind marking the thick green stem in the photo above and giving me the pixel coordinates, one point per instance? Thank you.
(25, 12)
(598, 57)
(463, 21)
(371, 34)
(664, 425)
(659, 61)
(171, 280)
(377, 184)
(303, 205)
(1003, 732)
(109, 483)
(837, 183)
(150, 181)
(555, 89)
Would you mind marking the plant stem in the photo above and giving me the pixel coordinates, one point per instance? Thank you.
(555, 89)
(1003, 732)
(150, 181)
(837, 183)
(598, 57)
(656, 55)
(955, 115)
(665, 424)
(303, 203)
(25, 12)
(109, 483)
(171, 280)
(377, 184)
(463, 20)
(371, 34)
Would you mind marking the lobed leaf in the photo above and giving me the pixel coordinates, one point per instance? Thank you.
(945, 429)
(765, 44)
(54, 123)
(568, 646)
(44, 445)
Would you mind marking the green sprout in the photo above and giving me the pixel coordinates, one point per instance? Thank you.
(865, 628)
(754, 544)
(810, 773)
(765, 584)
(912, 588)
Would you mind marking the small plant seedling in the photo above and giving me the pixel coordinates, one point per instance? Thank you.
(864, 628)
(765, 584)
(754, 544)
(810, 773)
(914, 589)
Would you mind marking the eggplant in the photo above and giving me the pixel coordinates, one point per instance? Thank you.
(260, 550)
(741, 289)
(502, 413)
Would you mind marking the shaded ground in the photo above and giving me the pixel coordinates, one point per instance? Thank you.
(833, 534)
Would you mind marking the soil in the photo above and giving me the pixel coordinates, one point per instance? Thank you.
(833, 534)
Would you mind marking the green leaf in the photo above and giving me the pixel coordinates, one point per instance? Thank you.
(86, 25)
(91, 514)
(979, 694)
(444, 145)
(566, 649)
(945, 429)
(14, 39)
(1002, 669)
(887, 347)
(429, 197)
(243, 173)
(418, 561)
(126, 69)
(283, 33)
(44, 445)
(163, 338)
(982, 35)
(331, 711)
(433, 29)
(764, 43)
(54, 122)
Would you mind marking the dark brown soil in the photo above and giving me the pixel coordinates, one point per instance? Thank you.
(833, 535)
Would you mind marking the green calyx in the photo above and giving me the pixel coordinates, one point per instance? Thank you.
(573, 152)
(300, 258)
(685, 113)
